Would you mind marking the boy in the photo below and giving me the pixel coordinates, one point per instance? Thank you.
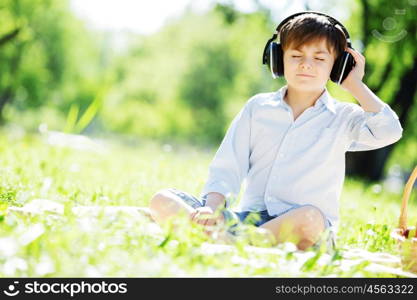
(290, 145)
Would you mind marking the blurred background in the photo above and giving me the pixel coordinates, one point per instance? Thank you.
(179, 71)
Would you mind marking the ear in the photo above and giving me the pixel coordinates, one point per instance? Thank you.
(332, 63)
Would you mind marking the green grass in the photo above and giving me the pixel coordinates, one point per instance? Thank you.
(122, 246)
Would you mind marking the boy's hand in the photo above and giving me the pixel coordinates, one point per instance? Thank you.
(206, 216)
(356, 74)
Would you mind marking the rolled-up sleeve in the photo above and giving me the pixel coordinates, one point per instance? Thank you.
(230, 164)
(373, 130)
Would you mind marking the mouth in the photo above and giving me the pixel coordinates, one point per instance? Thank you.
(305, 75)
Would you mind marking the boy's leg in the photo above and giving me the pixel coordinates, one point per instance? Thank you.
(170, 202)
(302, 225)
(166, 203)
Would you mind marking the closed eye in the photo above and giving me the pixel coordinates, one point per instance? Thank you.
(296, 56)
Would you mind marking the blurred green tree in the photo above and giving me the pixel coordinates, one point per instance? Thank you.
(47, 56)
(193, 76)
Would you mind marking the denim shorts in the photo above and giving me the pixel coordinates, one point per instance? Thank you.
(234, 218)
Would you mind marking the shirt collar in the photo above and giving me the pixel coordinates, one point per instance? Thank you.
(325, 99)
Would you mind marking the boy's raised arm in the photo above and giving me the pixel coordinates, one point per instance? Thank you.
(372, 129)
(374, 124)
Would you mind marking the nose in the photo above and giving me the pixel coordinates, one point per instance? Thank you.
(305, 64)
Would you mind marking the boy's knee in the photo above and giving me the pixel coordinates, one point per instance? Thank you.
(310, 226)
(310, 215)
(160, 199)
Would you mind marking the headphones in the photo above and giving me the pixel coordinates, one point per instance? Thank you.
(273, 55)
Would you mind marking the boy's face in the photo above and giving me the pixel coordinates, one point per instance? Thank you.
(311, 59)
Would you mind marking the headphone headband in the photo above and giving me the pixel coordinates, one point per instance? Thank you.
(334, 22)
(283, 22)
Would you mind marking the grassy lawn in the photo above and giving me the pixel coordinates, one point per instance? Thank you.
(119, 245)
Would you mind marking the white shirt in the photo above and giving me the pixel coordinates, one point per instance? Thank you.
(301, 161)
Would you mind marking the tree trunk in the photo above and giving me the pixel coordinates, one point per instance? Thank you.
(9, 36)
(7, 94)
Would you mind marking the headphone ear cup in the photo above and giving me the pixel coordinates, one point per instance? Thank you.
(276, 60)
(342, 67)
(280, 60)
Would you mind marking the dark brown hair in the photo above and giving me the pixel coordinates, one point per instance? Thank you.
(308, 28)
